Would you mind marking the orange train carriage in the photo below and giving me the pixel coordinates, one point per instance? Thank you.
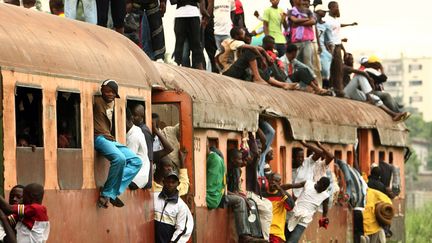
(48, 60)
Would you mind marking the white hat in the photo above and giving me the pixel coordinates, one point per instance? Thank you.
(320, 7)
(363, 60)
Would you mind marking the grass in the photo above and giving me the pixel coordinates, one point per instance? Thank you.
(418, 224)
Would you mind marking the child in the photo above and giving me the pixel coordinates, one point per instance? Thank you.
(16, 195)
(30, 218)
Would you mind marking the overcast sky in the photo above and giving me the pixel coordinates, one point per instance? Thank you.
(386, 27)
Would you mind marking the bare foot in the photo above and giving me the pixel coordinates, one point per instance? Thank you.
(291, 86)
(398, 117)
(260, 81)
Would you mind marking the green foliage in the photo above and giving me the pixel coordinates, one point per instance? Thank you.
(423, 130)
(412, 166)
(417, 223)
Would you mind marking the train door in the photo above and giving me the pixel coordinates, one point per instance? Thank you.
(174, 110)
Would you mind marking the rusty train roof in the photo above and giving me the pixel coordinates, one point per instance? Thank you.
(35, 42)
(224, 103)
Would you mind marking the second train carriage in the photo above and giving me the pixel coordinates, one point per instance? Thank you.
(220, 108)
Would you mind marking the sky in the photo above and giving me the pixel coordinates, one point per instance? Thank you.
(386, 28)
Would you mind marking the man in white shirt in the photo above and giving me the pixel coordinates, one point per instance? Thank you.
(223, 12)
(136, 142)
(336, 68)
(187, 26)
(309, 201)
(313, 167)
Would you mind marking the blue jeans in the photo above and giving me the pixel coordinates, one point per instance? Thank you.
(295, 235)
(269, 133)
(219, 39)
(89, 6)
(124, 165)
(146, 39)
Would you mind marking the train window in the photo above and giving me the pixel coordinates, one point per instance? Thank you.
(338, 154)
(381, 156)
(390, 157)
(168, 114)
(133, 104)
(294, 152)
(213, 142)
(372, 156)
(68, 120)
(28, 111)
(308, 152)
(350, 158)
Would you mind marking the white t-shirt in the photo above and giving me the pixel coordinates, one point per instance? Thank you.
(110, 112)
(136, 142)
(2, 232)
(187, 12)
(222, 16)
(309, 170)
(38, 234)
(335, 26)
(306, 205)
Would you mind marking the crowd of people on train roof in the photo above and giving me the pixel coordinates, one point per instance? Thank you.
(300, 48)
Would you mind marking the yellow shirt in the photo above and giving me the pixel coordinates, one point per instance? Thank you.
(370, 223)
(277, 227)
(183, 187)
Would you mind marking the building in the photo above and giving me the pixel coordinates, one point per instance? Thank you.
(421, 148)
(408, 82)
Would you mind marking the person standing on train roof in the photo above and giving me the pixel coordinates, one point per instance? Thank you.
(274, 19)
(124, 164)
(313, 195)
(165, 166)
(311, 168)
(336, 67)
(138, 115)
(30, 218)
(173, 219)
(136, 142)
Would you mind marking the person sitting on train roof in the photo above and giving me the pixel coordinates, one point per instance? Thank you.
(30, 4)
(161, 146)
(173, 219)
(375, 70)
(348, 69)
(30, 218)
(138, 112)
(13, 2)
(282, 203)
(218, 197)
(249, 58)
(124, 164)
(298, 72)
(360, 89)
(164, 166)
(313, 195)
(57, 7)
(311, 168)
(254, 189)
(276, 66)
(136, 142)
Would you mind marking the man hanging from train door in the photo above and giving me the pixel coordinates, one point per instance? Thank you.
(124, 164)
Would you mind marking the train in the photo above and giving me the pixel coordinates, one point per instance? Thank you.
(51, 69)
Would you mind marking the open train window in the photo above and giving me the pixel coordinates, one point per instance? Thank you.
(372, 156)
(133, 104)
(294, 152)
(283, 162)
(68, 120)
(213, 142)
(381, 156)
(28, 111)
(338, 154)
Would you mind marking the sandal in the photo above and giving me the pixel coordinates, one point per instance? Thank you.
(116, 202)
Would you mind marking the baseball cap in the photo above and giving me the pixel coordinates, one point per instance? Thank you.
(172, 173)
(373, 59)
(112, 84)
(363, 60)
(320, 7)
